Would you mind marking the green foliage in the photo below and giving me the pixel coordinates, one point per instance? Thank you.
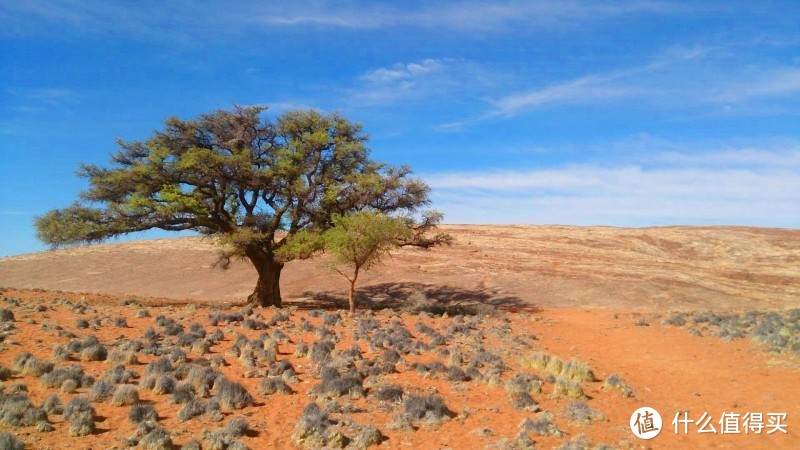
(255, 183)
(362, 239)
(232, 174)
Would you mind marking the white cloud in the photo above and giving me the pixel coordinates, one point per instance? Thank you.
(464, 16)
(746, 186)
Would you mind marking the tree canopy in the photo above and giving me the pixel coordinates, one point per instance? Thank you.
(253, 182)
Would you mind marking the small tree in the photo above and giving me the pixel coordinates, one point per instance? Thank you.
(359, 241)
(254, 183)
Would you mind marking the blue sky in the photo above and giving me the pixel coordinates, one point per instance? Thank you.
(624, 113)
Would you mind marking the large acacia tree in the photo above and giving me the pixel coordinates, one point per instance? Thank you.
(252, 181)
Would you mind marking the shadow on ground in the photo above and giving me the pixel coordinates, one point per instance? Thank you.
(417, 297)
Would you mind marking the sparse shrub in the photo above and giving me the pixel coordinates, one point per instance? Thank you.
(6, 315)
(191, 445)
(338, 385)
(5, 373)
(331, 319)
(429, 408)
(94, 352)
(120, 322)
(302, 350)
(580, 412)
(101, 391)
(125, 395)
(119, 375)
(678, 320)
(567, 388)
(81, 324)
(232, 395)
(401, 422)
(389, 393)
(141, 413)
(120, 356)
(156, 439)
(183, 393)
(524, 383)
(368, 435)
(27, 364)
(69, 386)
(44, 426)
(81, 424)
(165, 384)
(52, 405)
(541, 426)
(56, 377)
(523, 401)
(142, 313)
(9, 442)
(614, 381)
(17, 388)
(273, 385)
(577, 371)
(320, 351)
(190, 409)
(456, 358)
(160, 366)
(60, 353)
(311, 430)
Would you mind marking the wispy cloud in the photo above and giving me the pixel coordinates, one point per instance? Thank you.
(720, 187)
(186, 20)
(611, 85)
(417, 80)
(463, 16)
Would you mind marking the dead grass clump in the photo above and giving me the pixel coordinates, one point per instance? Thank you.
(120, 375)
(80, 414)
(542, 425)
(190, 409)
(576, 371)
(581, 413)
(142, 413)
(6, 315)
(273, 385)
(389, 393)
(9, 442)
(523, 401)
(232, 395)
(156, 439)
(333, 384)
(368, 435)
(312, 429)
(614, 381)
(567, 388)
(94, 352)
(430, 408)
(125, 395)
(320, 351)
(27, 364)
(81, 324)
(524, 383)
(52, 405)
(120, 322)
(59, 375)
(101, 391)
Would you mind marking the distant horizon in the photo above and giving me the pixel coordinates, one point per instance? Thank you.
(160, 234)
(633, 113)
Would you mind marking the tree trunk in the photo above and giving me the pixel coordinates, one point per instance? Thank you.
(352, 297)
(268, 289)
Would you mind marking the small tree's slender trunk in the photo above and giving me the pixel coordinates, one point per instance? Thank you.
(352, 297)
(268, 290)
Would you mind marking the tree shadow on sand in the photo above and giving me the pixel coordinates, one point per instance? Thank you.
(418, 297)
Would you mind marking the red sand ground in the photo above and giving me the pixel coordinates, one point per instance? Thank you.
(668, 368)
